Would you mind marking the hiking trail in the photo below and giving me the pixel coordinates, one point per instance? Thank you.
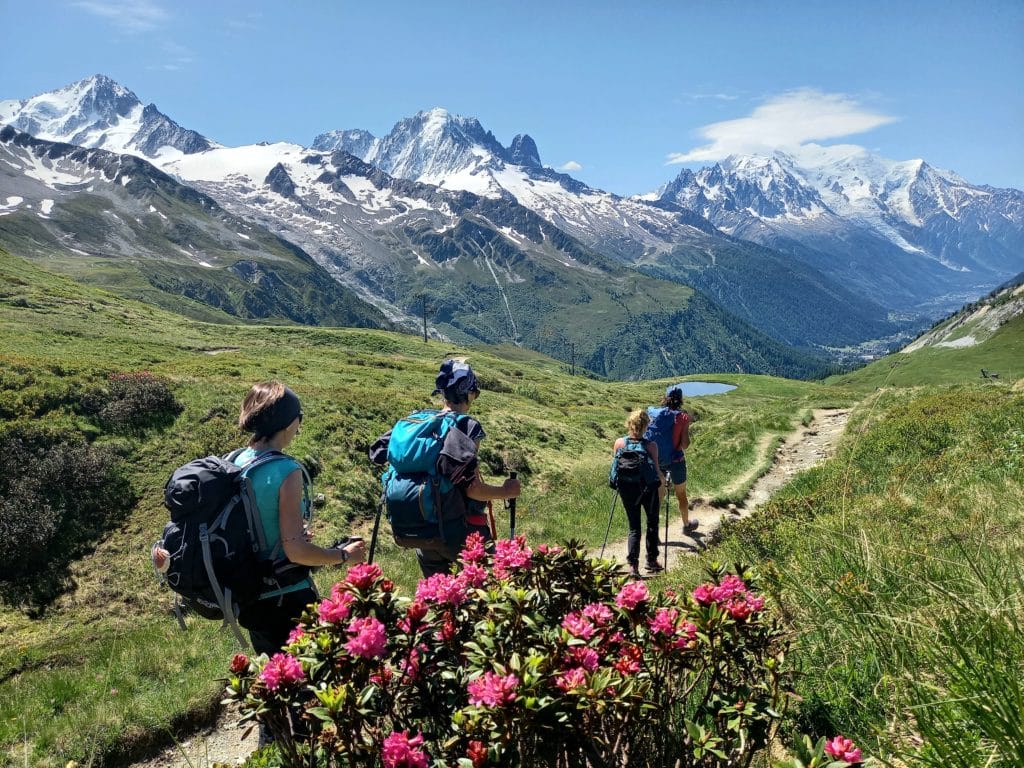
(801, 449)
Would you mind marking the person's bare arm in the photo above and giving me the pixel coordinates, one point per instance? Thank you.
(481, 491)
(297, 546)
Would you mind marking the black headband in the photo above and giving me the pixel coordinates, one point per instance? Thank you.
(277, 416)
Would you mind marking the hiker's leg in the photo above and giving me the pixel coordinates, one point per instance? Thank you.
(678, 473)
(432, 562)
(271, 621)
(650, 505)
(631, 503)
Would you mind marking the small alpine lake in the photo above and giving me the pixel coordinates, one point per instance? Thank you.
(701, 388)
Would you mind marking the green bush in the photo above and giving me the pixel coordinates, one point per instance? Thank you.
(132, 403)
(57, 495)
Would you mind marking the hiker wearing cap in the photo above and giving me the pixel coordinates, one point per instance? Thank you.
(670, 431)
(637, 480)
(433, 492)
(272, 413)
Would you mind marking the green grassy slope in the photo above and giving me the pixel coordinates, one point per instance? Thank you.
(104, 673)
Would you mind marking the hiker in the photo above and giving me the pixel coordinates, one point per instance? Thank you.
(272, 413)
(637, 479)
(463, 495)
(670, 430)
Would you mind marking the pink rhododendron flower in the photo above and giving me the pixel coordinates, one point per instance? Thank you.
(730, 587)
(511, 555)
(738, 609)
(664, 622)
(599, 613)
(295, 635)
(473, 551)
(631, 595)
(448, 630)
(702, 594)
(842, 748)
(414, 616)
(578, 626)
(369, 639)
(239, 663)
(282, 669)
(574, 678)
(756, 603)
(473, 575)
(687, 635)
(584, 657)
(363, 576)
(387, 585)
(441, 588)
(410, 666)
(549, 549)
(492, 690)
(382, 676)
(335, 608)
(401, 751)
(629, 662)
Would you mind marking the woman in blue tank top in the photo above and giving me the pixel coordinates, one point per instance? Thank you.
(272, 413)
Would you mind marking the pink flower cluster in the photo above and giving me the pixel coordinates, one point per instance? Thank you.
(511, 555)
(442, 588)
(667, 627)
(599, 613)
(363, 576)
(631, 595)
(295, 635)
(401, 751)
(414, 615)
(282, 669)
(572, 679)
(732, 595)
(842, 748)
(578, 625)
(336, 608)
(473, 551)
(473, 575)
(492, 690)
(369, 639)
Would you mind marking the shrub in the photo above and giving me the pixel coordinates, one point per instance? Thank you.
(57, 494)
(523, 658)
(132, 402)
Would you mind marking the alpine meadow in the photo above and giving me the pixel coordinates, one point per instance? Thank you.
(677, 432)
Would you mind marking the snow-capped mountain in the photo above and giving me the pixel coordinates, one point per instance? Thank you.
(99, 113)
(910, 233)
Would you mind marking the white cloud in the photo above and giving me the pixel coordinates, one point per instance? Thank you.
(572, 165)
(715, 96)
(127, 15)
(787, 120)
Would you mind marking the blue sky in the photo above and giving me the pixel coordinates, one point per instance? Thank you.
(620, 94)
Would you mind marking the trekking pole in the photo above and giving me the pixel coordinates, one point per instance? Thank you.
(608, 530)
(668, 486)
(376, 527)
(512, 510)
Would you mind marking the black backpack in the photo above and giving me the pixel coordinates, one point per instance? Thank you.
(215, 537)
(632, 467)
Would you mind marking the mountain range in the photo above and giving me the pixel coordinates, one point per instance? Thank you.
(782, 251)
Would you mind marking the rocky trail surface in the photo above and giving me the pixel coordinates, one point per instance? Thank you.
(226, 744)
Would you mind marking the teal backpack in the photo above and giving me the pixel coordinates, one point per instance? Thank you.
(424, 509)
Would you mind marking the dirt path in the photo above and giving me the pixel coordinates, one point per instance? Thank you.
(802, 449)
(224, 743)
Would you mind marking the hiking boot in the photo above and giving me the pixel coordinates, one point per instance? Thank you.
(634, 571)
(690, 527)
(653, 566)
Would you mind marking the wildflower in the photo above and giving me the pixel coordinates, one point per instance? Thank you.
(368, 638)
(448, 630)
(477, 754)
(414, 616)
(584, 657)
(629, 662)
(599, 613)
(295, 635)
(387, 586)
(549, 549)
(511, 555)
(578, 626)
(441, 588)
(571, 680)
(401, 751)
(335, 608)
(239, 663)
(281, 669)
(363, 576)
(727, 589)
(664, 622)
(473, 575)
(686, 636)
(491, 690)
(382, 676)
(842, 748)
(410, 666)
(631, 595)
(702, 594)
(473, 550)
(738, 609)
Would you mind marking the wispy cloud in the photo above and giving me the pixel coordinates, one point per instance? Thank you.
(174, 57)
(127, 15)
(786, 120)
(711, 96)
(572, 165)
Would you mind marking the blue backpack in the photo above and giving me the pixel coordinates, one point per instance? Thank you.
(424, 508)
(633, 468)
(663, 422)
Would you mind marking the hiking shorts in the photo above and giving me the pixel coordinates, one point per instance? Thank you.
(677, 471)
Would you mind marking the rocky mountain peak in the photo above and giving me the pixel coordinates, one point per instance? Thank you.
(523, 151)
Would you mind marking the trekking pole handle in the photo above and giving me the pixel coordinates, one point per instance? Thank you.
(512, 510)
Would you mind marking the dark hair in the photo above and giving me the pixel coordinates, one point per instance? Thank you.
(673, 399)
(268, 408)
